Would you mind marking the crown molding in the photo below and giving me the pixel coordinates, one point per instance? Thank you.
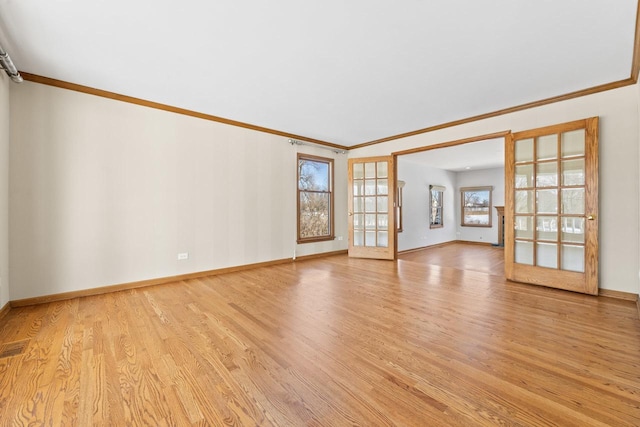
(633, 79)
(34, 78)
(572, 95)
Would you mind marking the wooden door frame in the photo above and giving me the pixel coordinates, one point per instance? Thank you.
(453, 143)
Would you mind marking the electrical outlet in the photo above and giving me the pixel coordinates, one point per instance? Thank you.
(183, 256)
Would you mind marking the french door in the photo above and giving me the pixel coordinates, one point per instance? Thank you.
(371, 208)
(551, 206)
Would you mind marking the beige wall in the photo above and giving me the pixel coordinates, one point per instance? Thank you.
(4, 189)
(619, 164)
(104, 192)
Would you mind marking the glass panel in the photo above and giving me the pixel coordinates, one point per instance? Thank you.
(573, 172)
(358, 188)
(547, 175)
(524, 150)
(436, 217)
(524, 201)
(547, 147)
(370, 238)
(383, 204)
(358, 238)
(369, 170)
(358, 221)
(573, 229)
(314, 175)
(358, 171)
(572, 258)
(547, 255)
(382, 170)
(524, 227)
(370, 204)
(383, 239)
(435, 208)
(573, 201)
(547, 227)
(314, 214)
(524, 176)
(573, 143)
(358, 204)
(370, 221)
(370, 187)
(383, 187)
(383, 221)
(524, 253)
(547, 201)
(476, 206)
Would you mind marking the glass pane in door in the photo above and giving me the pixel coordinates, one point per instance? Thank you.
(547, 175)
(524, 227)
(547, 255)
(370, 204)
(573, 143)
(547, 147)
(573, 201)
(524, 150)
(549, 201)
(524, 253)
(572, 258)
(524, 176)
(573, 172)
(573, 229)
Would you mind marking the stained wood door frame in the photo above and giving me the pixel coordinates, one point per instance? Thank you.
(453, 143)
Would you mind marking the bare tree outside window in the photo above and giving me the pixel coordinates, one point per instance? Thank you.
(476, 206)
(315, 198)
(436, 202)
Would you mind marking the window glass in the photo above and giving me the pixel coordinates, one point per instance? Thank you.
(315, 198)
(476, 206)
(436, 201)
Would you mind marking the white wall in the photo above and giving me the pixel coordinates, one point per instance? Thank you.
(415, 206)
(480, 178)
(4, 189)
(619, 165)
(105, 192)
(418, 177)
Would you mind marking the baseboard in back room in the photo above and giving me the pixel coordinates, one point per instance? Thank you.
(437, 245)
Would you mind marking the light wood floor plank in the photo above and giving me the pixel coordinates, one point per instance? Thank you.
(438, 338)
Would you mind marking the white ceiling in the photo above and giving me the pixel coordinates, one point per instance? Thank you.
(477, 155)
(345, 72)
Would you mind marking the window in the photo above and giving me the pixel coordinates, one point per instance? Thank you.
(315, 198)
(436, 200)
(476, 206)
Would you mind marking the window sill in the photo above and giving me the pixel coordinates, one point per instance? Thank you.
(316, 239)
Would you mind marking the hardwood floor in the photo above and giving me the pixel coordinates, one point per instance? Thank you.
(438, 338)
